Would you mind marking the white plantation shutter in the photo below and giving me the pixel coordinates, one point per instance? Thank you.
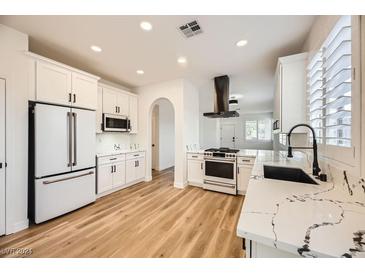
(329, 87)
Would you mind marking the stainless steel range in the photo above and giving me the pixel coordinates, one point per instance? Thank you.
(220, 170)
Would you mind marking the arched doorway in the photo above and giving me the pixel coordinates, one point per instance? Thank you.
(162, 136)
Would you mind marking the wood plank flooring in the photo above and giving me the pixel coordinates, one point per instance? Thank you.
(150, 219)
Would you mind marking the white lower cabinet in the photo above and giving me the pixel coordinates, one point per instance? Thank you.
(244, 170)
(243, 176)
(195, 172)
(118, 171)
(105, 178)
(135, 167)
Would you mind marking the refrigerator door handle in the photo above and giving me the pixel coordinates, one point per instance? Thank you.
(74, 138)
(68, 178)
(69, 116)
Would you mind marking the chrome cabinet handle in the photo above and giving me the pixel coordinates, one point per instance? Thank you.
(201, 166)
(238, 170)
(75, 138)
(74, 98)
(69, 116)
(112, 159)
(68, 178)
(112, 169)
(69, 97)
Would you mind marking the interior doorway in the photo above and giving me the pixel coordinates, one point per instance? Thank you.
(163, 135)
(228, 136)
(2, 156)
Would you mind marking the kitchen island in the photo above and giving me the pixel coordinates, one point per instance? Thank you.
(289, 219)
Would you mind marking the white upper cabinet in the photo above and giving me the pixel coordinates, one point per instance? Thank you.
(60, 84)
(133, 113)
(118, 102)
(110, 101)
(123, 104)
(290, 97)
(53, 84)
(84, 91)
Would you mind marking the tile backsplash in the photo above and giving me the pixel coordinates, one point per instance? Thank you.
(110, 141)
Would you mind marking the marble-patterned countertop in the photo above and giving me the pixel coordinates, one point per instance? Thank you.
(325, 220)
(117, 152)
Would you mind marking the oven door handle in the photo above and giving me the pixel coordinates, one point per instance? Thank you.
(233, 161)
(218, 184)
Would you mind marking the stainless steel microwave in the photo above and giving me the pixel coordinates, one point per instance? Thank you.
(116, 123)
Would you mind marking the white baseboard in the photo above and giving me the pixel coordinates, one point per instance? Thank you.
(148, 179)
(19, 226)
(195, 184)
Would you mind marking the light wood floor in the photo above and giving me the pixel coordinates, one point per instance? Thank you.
(151, 219)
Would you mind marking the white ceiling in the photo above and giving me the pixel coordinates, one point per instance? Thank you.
(127, 48)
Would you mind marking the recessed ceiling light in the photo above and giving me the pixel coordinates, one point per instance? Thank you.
(181, 60)
(147, 26)
(140, 72)
(96, 48)
(241, 43)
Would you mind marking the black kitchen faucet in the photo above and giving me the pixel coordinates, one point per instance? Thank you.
(315, 166)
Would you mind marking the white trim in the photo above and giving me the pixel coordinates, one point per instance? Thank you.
(104, 85)
(48, 60)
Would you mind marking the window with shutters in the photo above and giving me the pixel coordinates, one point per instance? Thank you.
(330, 96)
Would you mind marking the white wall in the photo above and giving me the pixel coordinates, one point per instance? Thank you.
(239, 122)
(209, 128)
(166, 134)
(105, 141)
(14, 68)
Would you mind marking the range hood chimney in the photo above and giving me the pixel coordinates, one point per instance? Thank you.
(221, 102)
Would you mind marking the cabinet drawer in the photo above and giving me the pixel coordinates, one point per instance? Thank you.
(134, 155)
(111, 159)
(245, 160)
(195, 156)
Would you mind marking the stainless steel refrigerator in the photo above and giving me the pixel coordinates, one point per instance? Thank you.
(62, 164)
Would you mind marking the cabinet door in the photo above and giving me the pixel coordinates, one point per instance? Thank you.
(140, 168)
(243, 177)
(133, 113)
(195, 171)
(2, 157)
(84, 91)
(123, 104)
(130, 171)
(105, 178)
(119, 174)
(99, 112)
(53, 84)
(109, 101)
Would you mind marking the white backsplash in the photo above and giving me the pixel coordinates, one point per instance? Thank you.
(105, 141)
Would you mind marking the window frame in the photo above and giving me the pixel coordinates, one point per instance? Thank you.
(348, 157)
(257, 140)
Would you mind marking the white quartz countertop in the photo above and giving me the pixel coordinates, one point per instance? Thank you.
(325, 220)
(117, 152)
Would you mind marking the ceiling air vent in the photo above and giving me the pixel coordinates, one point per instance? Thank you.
(191, 29)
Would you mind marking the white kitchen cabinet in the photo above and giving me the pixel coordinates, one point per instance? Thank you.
(53, 84)
(84, 91)
(123, 104)
(60, 84)
(133, 113)
(110, 101)
(99, 112)
(290, 94)
(243, 177)
(115, 102)
(110, 173)
(195, 172)
(135, 167)
(105, 178)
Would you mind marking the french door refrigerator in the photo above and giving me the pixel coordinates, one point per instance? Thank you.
(62, 171)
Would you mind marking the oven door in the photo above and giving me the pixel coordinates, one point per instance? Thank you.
(115, 123)
(223, 171)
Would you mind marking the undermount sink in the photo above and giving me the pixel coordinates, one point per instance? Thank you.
(296, 175)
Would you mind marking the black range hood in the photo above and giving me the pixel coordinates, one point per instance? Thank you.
(221, 102)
